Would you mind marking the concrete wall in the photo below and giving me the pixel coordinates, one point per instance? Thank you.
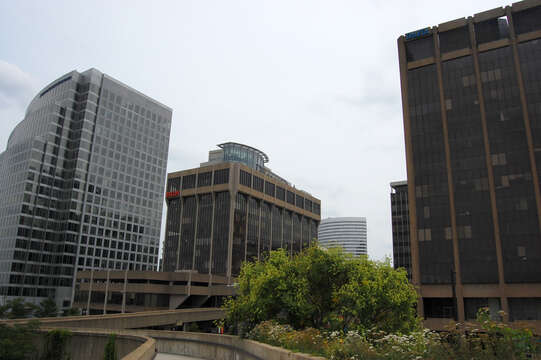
(90, 345)
(219, 347)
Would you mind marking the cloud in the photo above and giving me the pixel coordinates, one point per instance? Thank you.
(16, 90)
(16, 86)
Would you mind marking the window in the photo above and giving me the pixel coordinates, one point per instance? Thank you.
(188, 181)
(258, 183)
(245, 178)
(204, 179)
(269, 188)
(221, 176)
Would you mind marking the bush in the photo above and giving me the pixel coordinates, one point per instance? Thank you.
(110, 349)
(320, 288)
(490, 341)
(16, 341)
(55, 346)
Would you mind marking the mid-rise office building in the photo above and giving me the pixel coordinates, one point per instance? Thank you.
(81, 186)
(401, 226)
(231, 209)
(471, 96)
(349, 233)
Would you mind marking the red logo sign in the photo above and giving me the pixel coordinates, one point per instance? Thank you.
(172, 194)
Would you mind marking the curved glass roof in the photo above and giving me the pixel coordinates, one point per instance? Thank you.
(231, 144)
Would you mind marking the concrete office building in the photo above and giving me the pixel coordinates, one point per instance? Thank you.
(401, 226)
(471, 96)
(81, 186)
(231, 209)
(349, 233)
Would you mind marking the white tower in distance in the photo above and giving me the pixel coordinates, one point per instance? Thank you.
(346, 232)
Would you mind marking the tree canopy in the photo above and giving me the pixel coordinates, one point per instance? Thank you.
(323, 288)
(17, 308)
(47, 308)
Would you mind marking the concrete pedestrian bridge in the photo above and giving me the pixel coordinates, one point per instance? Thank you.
(89, 334)
(137, 320)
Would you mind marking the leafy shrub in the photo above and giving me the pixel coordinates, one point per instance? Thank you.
(55, 346)
(110, 349)
(489, 341)
(16, 341)
(322, 289)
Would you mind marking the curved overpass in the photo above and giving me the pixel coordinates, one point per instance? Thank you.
(135, 320)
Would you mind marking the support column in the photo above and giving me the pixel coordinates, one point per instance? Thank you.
(452, 210)
(106, 292)
(211, 237)
(259, 231)
(179, 241)
(415, 266)
(233, 189)
(490, 170)
(89, 291)
(196, 220)
(124, 291)
(525, 114)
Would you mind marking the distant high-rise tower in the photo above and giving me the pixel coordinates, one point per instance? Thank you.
(81, 186)
(471, 96)
(347, 232)
(401, 226)
(233, 209)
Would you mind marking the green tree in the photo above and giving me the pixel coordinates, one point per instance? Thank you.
(71, 312)
(16, 341)
(322, 288)
(47, 308)
(55, 346)
(18, 308)
(110, 349)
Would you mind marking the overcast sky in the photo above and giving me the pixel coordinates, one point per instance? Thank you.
(313, 84)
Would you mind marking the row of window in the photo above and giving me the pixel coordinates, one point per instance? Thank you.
(485, 31)
(259, 184)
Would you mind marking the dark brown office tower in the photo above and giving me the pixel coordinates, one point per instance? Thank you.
(401, 226)
(233, 209)
(471, 95)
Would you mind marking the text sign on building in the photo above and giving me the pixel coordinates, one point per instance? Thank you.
(417, 34)
(172, 194)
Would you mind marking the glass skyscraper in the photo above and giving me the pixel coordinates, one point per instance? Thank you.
(471, 95)
(81, 186)
(401, 226)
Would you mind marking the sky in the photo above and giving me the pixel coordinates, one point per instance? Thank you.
(313, 84)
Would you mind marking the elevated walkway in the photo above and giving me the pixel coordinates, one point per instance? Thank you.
(135, 320)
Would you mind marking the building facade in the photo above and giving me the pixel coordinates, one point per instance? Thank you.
(81, 186)
(117, 291)
(401, 226)
(233, 209)
(349, 233)
(471, 96)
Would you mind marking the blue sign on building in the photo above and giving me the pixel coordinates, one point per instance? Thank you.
(417, 34)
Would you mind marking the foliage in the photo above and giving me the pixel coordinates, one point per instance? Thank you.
(492, 340)
(17, 308)
(71, 312)
(110, 349)
(16, 341)
(55, 346)
(488, 341)
(47, 308)
(193, 327)
(320, 288)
